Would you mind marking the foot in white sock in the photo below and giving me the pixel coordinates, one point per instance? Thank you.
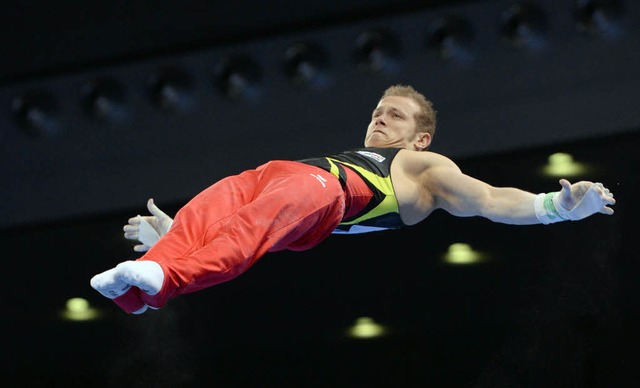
(146, 275)
(110, 284)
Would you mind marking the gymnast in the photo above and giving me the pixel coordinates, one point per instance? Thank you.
(390, 183)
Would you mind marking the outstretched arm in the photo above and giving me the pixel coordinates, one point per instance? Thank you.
(147, 229)
(465, 196)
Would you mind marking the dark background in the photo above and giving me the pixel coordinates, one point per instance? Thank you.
(554, 305)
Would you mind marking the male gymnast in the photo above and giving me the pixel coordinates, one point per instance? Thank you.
(392, 182)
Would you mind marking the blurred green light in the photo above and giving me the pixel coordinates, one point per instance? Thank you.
(78, 309)
(366, 327)
(461, 253)
(562, 164)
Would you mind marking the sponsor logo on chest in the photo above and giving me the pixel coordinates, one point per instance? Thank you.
(372, 155)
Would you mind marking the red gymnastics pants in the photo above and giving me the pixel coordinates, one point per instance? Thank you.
(227, 227)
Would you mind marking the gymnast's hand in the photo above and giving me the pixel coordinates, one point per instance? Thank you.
(148, 229)
(582, 199)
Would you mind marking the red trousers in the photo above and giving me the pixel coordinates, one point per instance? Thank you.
(227, 227)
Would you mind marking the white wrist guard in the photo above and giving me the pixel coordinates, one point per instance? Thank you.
(148, 236)
(548, 208)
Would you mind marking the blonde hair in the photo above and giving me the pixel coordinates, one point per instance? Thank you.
(426, 117)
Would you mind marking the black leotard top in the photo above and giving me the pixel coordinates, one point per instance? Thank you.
(373, 165)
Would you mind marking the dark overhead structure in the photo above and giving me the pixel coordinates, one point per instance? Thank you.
(503, 75)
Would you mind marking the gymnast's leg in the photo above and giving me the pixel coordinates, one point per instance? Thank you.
(226, 228)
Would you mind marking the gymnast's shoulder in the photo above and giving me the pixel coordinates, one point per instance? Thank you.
(417, 162)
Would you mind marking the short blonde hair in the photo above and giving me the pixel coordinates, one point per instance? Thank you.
(426, 117)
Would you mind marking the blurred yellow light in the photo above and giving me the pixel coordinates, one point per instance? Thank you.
(78, 309)
(561, 164)
(461, 253)
(366, 327)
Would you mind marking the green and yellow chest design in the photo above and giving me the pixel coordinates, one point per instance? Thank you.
(374, 166)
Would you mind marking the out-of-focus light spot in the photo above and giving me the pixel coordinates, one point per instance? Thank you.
(103, 99)
(462, 254)
(365, 328)
(37, 112)
(377, 51)
(305, 64)
(239, 77)
(524, 26)
(561, 164)
(171, 89)
(451, 38)
(78, 309)
(600, 18)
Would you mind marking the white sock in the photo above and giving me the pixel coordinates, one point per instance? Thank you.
(146, 275)
(110, 284)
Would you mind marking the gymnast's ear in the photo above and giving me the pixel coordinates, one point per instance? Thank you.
(422, 141)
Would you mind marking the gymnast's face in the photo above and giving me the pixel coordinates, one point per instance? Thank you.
(393, 124)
